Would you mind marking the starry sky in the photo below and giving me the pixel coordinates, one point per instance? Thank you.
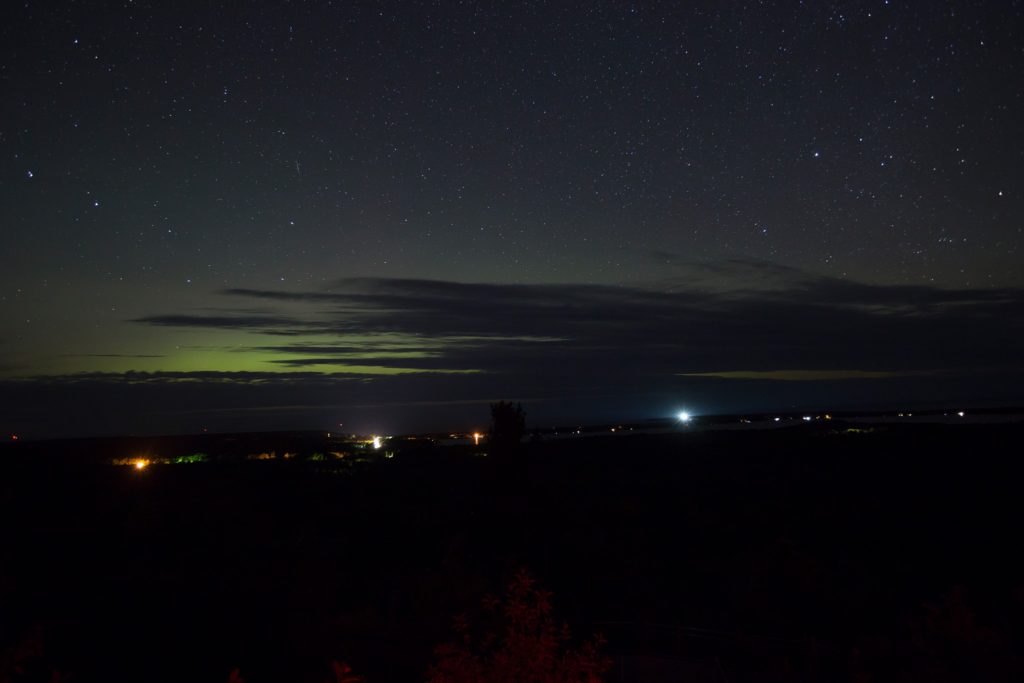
(384, 215)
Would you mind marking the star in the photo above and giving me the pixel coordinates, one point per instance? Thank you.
(447, 160)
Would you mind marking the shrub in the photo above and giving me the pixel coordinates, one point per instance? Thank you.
(522, 642)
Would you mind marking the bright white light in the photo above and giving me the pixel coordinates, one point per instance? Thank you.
(684, 416)
(807, 418)
(961, 413)
(376, 442)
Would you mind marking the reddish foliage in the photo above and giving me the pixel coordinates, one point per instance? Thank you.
(522, 644)
(343, 673)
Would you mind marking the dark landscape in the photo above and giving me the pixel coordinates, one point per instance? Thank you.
(819, 552)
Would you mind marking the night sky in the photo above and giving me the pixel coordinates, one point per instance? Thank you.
(384, 215)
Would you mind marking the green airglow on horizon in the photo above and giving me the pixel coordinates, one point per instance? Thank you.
(154, 350)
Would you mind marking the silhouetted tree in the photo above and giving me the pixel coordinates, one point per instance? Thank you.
(508, 424)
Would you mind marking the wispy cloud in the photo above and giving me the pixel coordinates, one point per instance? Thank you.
(399, 342)
(229, 322)
(801, 323)
(114, 355)
(806, 375)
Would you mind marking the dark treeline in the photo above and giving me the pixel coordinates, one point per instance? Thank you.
(805, 554)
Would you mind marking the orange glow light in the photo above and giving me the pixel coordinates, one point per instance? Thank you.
(140, 464)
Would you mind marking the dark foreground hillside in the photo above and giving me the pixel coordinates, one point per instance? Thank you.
(892, 554)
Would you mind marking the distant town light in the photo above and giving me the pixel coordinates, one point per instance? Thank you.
(376, 443)
(141, 464)
(684, 416)
(476, 438)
